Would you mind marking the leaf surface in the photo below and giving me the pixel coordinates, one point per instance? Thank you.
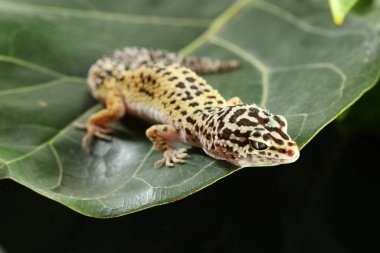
(294, 60)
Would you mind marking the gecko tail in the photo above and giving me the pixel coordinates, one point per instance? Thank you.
(134, 57)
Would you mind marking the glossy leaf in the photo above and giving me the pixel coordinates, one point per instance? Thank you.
(294, 60)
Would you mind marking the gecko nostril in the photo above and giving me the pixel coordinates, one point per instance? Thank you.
(290, 153)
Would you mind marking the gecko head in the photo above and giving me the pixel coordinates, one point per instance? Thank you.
(248, 135)
(98, 79)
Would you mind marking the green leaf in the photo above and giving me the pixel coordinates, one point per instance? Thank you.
(340, 9)
(294, 62)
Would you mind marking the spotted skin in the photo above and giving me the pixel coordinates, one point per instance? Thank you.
(155, 86)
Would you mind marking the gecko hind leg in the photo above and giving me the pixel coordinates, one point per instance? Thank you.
(161, 136)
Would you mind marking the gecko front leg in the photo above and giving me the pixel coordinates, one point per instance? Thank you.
(97, 125)
(162, 136)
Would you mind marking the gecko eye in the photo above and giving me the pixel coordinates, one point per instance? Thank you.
(258, 145)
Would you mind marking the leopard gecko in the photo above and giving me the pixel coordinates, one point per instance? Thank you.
(165, 89)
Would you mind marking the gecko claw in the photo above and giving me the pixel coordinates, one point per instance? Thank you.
(93, 130)
(172, 156)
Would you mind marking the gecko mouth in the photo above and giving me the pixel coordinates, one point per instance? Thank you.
(264, 161)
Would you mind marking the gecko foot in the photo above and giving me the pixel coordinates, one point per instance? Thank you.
(172, 156)
(93, 130)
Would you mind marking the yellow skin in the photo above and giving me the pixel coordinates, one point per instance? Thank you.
(185, 109)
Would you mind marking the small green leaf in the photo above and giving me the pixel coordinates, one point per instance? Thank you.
(294, 60)
(340, 9)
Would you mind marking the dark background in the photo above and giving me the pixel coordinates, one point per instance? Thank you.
(325, 202)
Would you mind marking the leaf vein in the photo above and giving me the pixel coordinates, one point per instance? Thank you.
(108, 16)
(60, 166)
(255, 62)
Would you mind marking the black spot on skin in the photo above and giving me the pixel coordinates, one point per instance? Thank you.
(266, 137)
(142, 76)
(171, 94)
(277, 141)
(172, 102)
(179, 120)
(208, 103)
(190, 120)
(193, 87)
(172, 78)
(165, 129)
(277, 130)
(266, 113)
(280, 150)
(220, 102)
(206, 90)
(154, 81)
(198, 93)
(229, 148)
(177, 107)
(149, 79)
(279, 121)
(256, 134)
(202, 84)
(196, 128)
(225, 135)
(238, 133)
(190, 79)
(208, 136)
(185, 72)
(193, 104)
(221, 125)
(180, 85)
(236, 114)
(245, 122)
(167, 73)
(197, 111)
(148, 93)
(212, 97)
(253, 112)
(188, 132)
(159, 70)
(183, 113)
(189, 97)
